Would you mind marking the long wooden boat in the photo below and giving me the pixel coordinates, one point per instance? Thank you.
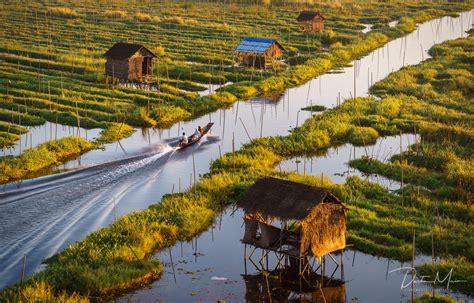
(193, 140)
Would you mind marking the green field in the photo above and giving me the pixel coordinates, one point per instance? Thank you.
(52, 64)
(435, 202)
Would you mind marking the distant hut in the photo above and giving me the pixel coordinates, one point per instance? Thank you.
(311, 21)
(128, 61)
(259, 52)
(319, 216)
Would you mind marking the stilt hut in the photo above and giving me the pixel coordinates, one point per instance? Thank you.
(311, 21)
(128, 61)
(259, 52)
(312, 220)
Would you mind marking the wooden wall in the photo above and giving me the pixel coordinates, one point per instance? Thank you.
(116, 68)
(133, 68)
(315, 25)
(318, 24)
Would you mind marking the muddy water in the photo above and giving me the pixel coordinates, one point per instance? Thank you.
(217, 270)
(45, 215)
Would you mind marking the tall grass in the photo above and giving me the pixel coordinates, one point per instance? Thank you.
(42, 156)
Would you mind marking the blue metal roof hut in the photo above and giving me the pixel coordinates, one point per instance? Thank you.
(259, 52)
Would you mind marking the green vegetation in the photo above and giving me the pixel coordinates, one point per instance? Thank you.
(43, 156)
(9, 133)
(115, 132)
(117, 258)
(434, 98)
(459, 269)
(52, 65)
(380, 222)
(428, 298)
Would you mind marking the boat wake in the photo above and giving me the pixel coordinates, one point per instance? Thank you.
(57, 210)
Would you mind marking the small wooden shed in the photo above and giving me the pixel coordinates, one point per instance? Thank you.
(259, 52)
(311, 21)
(320, 217)
(128, 61)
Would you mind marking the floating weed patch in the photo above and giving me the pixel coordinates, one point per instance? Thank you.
(115, 132)
(44, 155)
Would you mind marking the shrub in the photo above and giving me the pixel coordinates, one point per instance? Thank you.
(224, 97)
(146, 17)
(360, 135)
(62, 12)
(388, 107)
(115, 14)
(166, 115)
(114, 132)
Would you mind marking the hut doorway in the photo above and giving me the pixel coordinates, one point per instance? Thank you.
(146, 66)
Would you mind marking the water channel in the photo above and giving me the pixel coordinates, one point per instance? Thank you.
(42, 216)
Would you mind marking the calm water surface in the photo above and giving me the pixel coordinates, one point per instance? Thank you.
(59, 210)
(217, 270)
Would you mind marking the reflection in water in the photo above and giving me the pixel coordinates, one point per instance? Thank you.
(212, 267)
(286, 285)
(59, 216)
(46, 132)
(334, 162)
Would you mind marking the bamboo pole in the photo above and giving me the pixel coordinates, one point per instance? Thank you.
(172, 263)
(401, 165)
(433, 262)
(246, 131)
(194, 170)
(413, 270)
(115, 213)
(23, 268)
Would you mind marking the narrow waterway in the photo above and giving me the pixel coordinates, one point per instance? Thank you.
(42, 216)
(334, 162)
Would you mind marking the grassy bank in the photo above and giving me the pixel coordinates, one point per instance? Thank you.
(435, 99)
(15, 168)
(117, 258)
(115, 132)
(51, 62)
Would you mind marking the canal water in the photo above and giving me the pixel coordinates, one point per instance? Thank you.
(42, 216)
(212, 267)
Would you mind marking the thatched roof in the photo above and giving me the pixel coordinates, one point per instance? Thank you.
(283, 199)
(308, 16)
(122, 50)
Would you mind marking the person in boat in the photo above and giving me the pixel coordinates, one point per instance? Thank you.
(201, 131)
(197, 134)
(184, 139)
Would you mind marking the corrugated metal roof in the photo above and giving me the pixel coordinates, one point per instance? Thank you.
(254, 45)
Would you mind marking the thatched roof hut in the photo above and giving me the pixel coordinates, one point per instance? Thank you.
(321, 214)
(312, 21)
(259, 52)
(128, 61)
